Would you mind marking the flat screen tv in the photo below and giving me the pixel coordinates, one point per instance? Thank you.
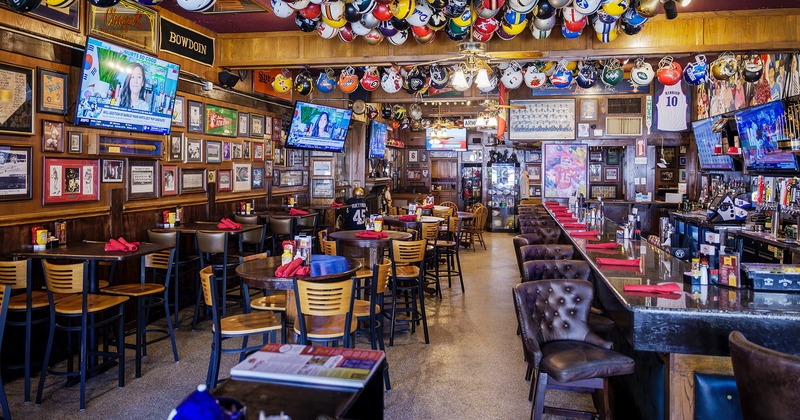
(706, 139)
(456, 139)
(377, 139)
(760, 129)
(125, 90)
(318, 127)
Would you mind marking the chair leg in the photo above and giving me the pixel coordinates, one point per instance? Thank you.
(394, 313)
(121, 346)
(528, 372)
(83, 358)
(4, 401)
(537, 410)
(27, 367)
(197, 304)
(422, 313)
(170, 330)
(46, 360)
(601, 403)
(217, 361)
(140, 326)
(460, 276)
(175, 293)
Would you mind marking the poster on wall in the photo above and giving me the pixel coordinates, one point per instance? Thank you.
(16, 104)
(15, 172)
(127, 23)
(564, 169)
(221, 121)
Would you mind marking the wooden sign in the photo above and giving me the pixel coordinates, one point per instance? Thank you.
(127, 23)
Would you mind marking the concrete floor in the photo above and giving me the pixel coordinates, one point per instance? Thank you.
(473, 367)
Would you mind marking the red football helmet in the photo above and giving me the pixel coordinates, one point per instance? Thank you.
(669, 71)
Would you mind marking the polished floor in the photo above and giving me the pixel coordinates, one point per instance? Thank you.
(473, 367)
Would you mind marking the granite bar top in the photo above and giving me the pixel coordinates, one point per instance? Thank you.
(766, 237)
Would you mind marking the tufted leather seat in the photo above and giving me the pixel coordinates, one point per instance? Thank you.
(766, 380)
(556, 269)
(547, 234)
(537, 223)
(558, 344)
(547, 252)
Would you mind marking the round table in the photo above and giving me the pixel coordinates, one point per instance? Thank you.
(375, 246)
(413, 224)
(465, 215)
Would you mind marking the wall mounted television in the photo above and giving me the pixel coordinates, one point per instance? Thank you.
(456, 140)
(377, 139)
(760, 129)
(706, 139)
(123, 89)
(318, 127)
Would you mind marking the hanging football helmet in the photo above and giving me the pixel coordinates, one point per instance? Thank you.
(440, 76)
(421, 15)
(351, 13)
(400, 24)
(382, 12)
(574, 20)
(391, 81)
(642, 73)
(364, 6)
(305, 24)
(561, 77)
(587, 7)
(402, 8)
(544, 24)
(326, 31)
(348, 81)
(325, 81)
(303, 83)
(609, 35)
(399, 38)
(512, 76)
(752, 68)
(372, 111)
(312, 11)
(373, 37)
(522, 6)
(615, 7)
(369, 21)
(696, 72)
(725, 66)
(558, 4)
(359, 28)
(332, 13)
(387, 29)
(630, 29)
(633, 17)
(423, 37)
(298, 5)
(386, 111)
(587, 76)
(669, 71)
(398, 112)
(511, 17)
(282, 82)
(438, 20)
(647, 8)
(190, 5)
(346, 33)
(569, 34)
(370, 80)
(279, 7)
(415, 111)
(544, 10)
(538, 33)
(612, 72)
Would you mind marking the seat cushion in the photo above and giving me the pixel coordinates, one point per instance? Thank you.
(251, 323)
(274, 302)
(568, 361)
(407, 271)
(73, 305)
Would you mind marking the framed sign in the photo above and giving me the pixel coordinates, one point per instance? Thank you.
(291, 178)
(322, 168)
(220, 121)
(564, 169)
(224, 180)
(241, 177)
(193, 180)
(322, 188)
(194, 150)
(142, 179)
(52, 97)
(244, 124)
(612, 174)
(413, 156)
(52, 136)
(75, 139)
(113, 169)
(257, 126)
(195, 123)
(604, 191)
(169, 180)
(258, 152)
(176, 147)
(16, 104)
(226, 150)
(68, 17)
(70, 180)
(237, 151)
(127, 23)
(213, 151)
(543, 119)
(258, 177)
(179, 112)
(16, 172)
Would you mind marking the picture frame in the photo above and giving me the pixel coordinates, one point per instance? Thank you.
(294, 157)
(276, 178)
(226, 151)
(16, 163)
(176, 149)
(583, 130)
(306, 158)
(220, 121)
(534, 172)
(244, 124)
(603, 191)
(70, 180)
(278, 155)
(211, 176)
(596, 155)
(682, 149)
(169, 180)
(682, 161)
(423, 155)
(241, 177)
(595, 173)
(257, 177)
(611, 174)
(268, 148)
(257, 126)
(321, 153)
(612, 156)
(20, 120)
(323, 188)
(213, 151)
(52, 136)
(322, 168)
(268, 127)
(588, 109)
(536, 156)
(668, 153)
(224, 180)
(113, 170)
(268, 168)
(258, 152)
(292, 178)
(67, 17)
(143, 179)
(564, 169)
(542, 119)
(682, 175)
(194, 150)
(305, 178)
(137, 147)
(667, 175)
(194, 123)
(179, 111)
(75, 142)
(277, 126)
(193, 180)
(237, 151)
(53, 92)
(246, 150)
(413, 156)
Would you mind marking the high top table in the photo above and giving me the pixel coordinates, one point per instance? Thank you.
(375, 246)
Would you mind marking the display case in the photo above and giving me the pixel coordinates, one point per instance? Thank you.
(503, 196)
(471, 184)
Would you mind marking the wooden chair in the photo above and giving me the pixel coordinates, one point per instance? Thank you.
(234, 326)
(274, 302)
(5, 296)
(408, 271)
(181, 261)
(255, 239)
(453, 207)
(443, 214)
(475, 232)
(72, 279)
(448, 248)
(372, 310)
(329, 248)
(213, 250)
(150, 295)
(325, 311)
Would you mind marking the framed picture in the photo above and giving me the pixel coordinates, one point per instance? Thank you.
(194, 150)
(682, 149)
(246, 152)
(70, 180)
(211, 176)
(668, 153)
(321, 153)
(68, 17)
(305, 178)
(682, 175)
(224, 180)
(322, 167)
(413, 156)
(682, 161)
(276, 178)
(258, 152)
(277, 126)
(193, 180)
(176, 147)
(268, 148)
(603, 191)
(75, 142)
(17, 102)
(306, 157)
(113, 169)
(423, 155)
(195, 123)
(52, 97)
(612, 174)
(142, 179)
(257, 177)
(169, 180)
(612, 156)
(537, 191)
(588, 110)
(583, 130)
(236, 150)
(542, 119)
(268, 168)
(278, 154)
(667, 176)
(52, 136)
(322, 188)
(534, 172)
(257, 126)
(595, 173)
(564, 169)
(221, 121)
(268, 127)
(244, 124)
(179, 112)
(596, 155)
(291, 178)
(130, 146)
(241, 177)
(16, 172)
(536, 156)
(226, 150)
(296, 157)
(213, 151)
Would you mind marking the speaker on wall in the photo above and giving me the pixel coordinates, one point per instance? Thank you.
(228, 79)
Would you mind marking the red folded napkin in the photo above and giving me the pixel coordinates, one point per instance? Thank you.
(653, 288)
(131, 246)
(369, 234)
(288, 270)
(562, 213)
(427, 207)
(620, 262)
(552, 203)
(604, 245)
(335, 204)
(226, 223)
(583, 232)
(564, 219)
(114, 245)
(304, 271)
(297, 212)
(573, 225)
(408, 218)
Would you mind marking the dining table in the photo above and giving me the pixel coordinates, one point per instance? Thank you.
(372, 248)
(410, 224)
(194, 227)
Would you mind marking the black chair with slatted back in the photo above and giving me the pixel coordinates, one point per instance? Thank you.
(252, 241)
(280, 228)
(213, 250)
(5, 295)
(182, 261)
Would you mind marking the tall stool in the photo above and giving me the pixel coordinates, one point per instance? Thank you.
(5, 295)
(448, 248)
(325, 311)
(213, 250)
(181, 261)
(408, 275)
(73, 278)
(280, 228)
(252, 238)
(372, 310)
(275, 302)
(430, 233)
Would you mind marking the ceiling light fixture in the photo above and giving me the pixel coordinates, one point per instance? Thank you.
(459, 80)
(483, 79)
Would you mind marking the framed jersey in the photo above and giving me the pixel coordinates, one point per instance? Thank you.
(671, 112)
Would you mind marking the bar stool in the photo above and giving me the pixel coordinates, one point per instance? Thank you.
(213, 250)
(408, 275)
(325, 312)
(72, 279)
(181, 261)
(150, 295)
(430, 233)
(372, 310)
(280, 228)
(475, 232)
(5, 296)
(448, 248)
(252, 238)
(275, 302)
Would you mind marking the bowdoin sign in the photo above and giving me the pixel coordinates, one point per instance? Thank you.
(186, 43)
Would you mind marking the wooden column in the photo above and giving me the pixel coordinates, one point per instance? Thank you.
(680, 381)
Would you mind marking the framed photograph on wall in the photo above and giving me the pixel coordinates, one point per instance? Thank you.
(258, 152)
(169, 180)
(413, 156)
(18, 115)
(268, 168)
(213, 151)
(322, 168)
(246, 150)
(179, 112)
(268, 148)
(194, 150)
(268, 127)
(257, 177)
(68, 17)
(17, 172)
(52, 136)
(534, 172)
(588, 109)
(596, 155)
(221, 121)
(224, 180)
(322, 188)
(682, 175)
(241, 177)
(52, 98)
(542, 119)
(276, 178)
(612, 156)
(564, 169)
(244, 124)
(193, 180)
(176, 147)
(276, 129)
(70, 180)
(257, 126)
(211, 176)
(667, 176)
(278, 155)
(195, 119)
(237, 151)
(75, 139)
(612, 174)
(604, 191)
(595, 173)
(142, 179)
(226, 151)
(113, 170)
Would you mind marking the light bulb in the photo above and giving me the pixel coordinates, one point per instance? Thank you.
(685, 3)
(483, 79)
(493, 122)
(481, 121)
(459, 80)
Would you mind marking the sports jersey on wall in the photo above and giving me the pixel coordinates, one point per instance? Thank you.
(672, 107)
(355, 216)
